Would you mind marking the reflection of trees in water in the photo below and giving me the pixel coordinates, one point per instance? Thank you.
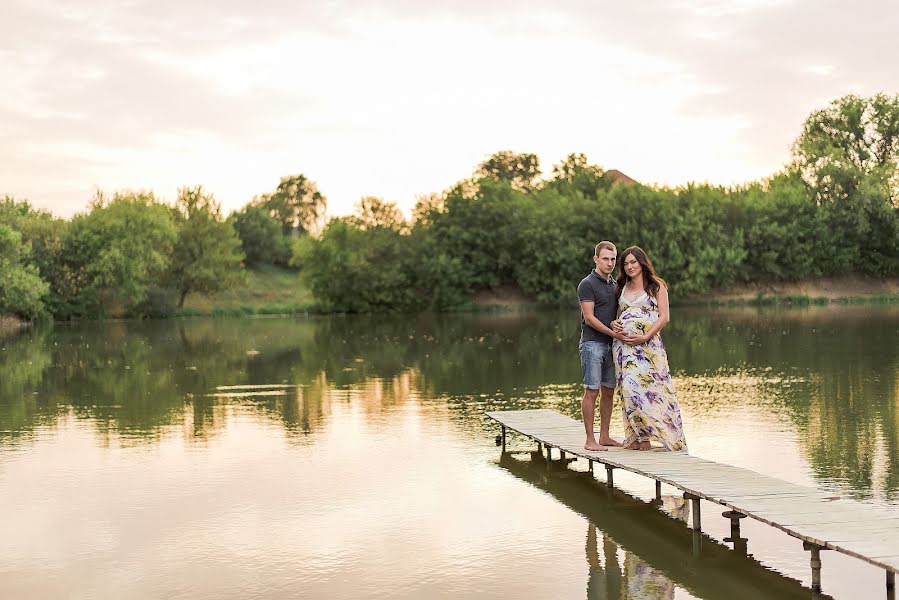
(24, 358)
(845, 365)
(832, 371)
(130, 378)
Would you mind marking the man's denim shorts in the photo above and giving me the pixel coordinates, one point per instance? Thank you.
(597, 364)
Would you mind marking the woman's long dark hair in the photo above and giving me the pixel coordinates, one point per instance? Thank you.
(651, 282)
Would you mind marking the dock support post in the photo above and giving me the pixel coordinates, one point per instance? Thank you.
(815, 563)
(504, 439)
(734, 517)
(697, 523)
(658, 490)
(590, 460)
(694, 508)
(610, 480)
(562, 457)
(549, 454)
(891, 585)
(540, 448)
(738, 541)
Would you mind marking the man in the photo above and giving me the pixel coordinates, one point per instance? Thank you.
(598, 296)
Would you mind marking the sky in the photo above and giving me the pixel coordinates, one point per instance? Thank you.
(405, 97)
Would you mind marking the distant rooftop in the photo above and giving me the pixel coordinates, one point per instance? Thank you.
(619, 177)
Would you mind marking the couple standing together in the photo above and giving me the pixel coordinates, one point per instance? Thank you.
(622, 354)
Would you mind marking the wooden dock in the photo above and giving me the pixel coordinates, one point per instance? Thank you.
(821, 521)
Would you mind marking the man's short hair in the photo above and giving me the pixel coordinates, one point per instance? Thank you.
(604, 246)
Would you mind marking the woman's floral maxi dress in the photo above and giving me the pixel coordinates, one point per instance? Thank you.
(645, 390)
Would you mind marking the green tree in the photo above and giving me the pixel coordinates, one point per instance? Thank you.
(786, 234)
(207, 254)
(427, 208)
(21, 288)
(521, 171)
(43, 233)
(848, 154)
(261, 237)
(296, 203)
(372, 212)
(850, 140)
(574, 175)
(346, 255)
(118, 251)
(483, 232)
(558, 232)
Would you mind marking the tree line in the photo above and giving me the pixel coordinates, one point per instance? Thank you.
(131, 254)
(833, 209)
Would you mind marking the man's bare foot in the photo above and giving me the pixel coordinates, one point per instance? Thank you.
(609, 442)
(593, 446)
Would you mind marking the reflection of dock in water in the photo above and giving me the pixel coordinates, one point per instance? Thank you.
(656, 545)
(821, 522)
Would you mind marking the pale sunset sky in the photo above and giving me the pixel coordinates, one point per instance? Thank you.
(406, 97)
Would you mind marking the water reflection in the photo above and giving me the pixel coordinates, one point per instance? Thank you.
(608, 582)
(828, 375)
(138, 422)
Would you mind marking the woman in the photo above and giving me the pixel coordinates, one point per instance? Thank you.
(645, 389)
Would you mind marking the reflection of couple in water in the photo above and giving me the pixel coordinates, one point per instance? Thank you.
(610, 580)
(621, 349)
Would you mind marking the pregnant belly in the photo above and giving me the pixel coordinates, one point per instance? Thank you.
(635, 326)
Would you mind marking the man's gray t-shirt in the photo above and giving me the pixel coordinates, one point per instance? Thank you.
(604, 296)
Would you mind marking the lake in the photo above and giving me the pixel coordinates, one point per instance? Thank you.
(348, 457)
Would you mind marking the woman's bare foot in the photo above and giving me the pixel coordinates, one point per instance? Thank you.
(645, 445)
(635, 445)
(607, 441)
(593, 446)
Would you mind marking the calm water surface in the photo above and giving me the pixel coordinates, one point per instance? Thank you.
(136, 460)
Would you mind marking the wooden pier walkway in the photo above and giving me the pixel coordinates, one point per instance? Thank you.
(822, 522)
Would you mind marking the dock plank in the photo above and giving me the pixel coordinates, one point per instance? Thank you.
(864, 531)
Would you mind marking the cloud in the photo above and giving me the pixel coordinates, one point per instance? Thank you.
(402, 97)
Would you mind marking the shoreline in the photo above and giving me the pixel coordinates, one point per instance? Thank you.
(10, 323)
(843, 290)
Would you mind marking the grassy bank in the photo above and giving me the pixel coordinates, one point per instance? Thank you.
(794, 300)
(264, 291)
(275, 291)
(847, 289)
(11, 323)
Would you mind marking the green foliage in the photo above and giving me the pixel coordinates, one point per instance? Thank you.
(483, 232)
(575, 176)
(848, 154)
(207, 255)
(296, 204)
(359, 265)
(44, 234)
(504, 229)
(21, 288)
(557, 242)
(521, 171)
(357, 270)
(261, 237)
(372, 212)
(852, 139)
(117, 252)
(786, 235)
(834, 210)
